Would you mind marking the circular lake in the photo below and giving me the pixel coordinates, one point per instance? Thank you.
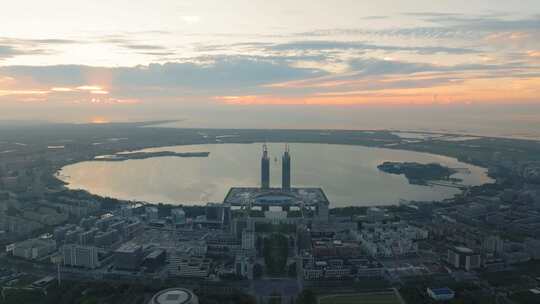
(348, 174)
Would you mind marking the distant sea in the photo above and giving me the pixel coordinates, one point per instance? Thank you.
(512, 121)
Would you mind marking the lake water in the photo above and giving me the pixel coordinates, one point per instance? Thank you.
(347, 174)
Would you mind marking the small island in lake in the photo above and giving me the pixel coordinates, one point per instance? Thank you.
(417, 173)
(145, 155)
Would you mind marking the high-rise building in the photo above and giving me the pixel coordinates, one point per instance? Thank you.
(151, 213)
(59, 233)
(88, 222)
(286, 170)
(493, 244)
(106, 239)
(126, 211)
(265, 169)
(72, 236)
(322, 211)
(87, 238)
(248, 239)
(178, 216)
(129, 256)
(80, 256)
(462, 257)
(219, 214)
(214, 212)
(244, 266)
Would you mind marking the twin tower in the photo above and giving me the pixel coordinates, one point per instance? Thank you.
(285, 167)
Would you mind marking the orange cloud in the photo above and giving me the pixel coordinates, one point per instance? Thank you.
(500, 90)
(89, 88)
(507, 37)
(112, 101)
(92, 89)
(127, 101)
(62, 89)
(22, 92)
(534, 54)
(6, 80)
(99, 92)
(358, 99)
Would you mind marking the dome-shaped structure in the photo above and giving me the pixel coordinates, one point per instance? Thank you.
(175, 296)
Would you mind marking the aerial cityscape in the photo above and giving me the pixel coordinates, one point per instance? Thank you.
(270, 152)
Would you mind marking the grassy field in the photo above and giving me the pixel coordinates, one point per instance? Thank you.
(374, 298)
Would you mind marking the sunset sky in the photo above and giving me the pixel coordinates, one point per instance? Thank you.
(125, 60)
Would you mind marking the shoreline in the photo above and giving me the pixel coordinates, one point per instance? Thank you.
(378, 146)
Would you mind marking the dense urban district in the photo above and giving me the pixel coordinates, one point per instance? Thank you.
(264, 244)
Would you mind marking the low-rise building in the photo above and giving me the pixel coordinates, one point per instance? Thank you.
(33, 249)
(335, 248)
(223, 243)
(188, 266)
(390, 239)
(311, 274)
(441, 294)
(337, 269)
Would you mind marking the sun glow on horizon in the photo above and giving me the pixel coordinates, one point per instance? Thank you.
(99, 120)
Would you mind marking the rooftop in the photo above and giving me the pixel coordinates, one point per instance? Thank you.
(33, 243)
(154, 254)
(172, 296)
(276, 196)
(128, 248)
(442, 291)
(463, 250)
